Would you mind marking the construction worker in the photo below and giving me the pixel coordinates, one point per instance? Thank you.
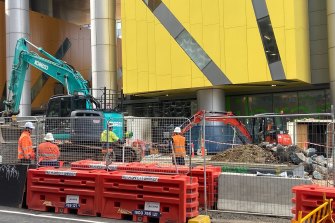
(25, 151)
(112, 137)
(179, 143)
(48, 152)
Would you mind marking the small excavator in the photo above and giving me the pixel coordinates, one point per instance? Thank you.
(264, 127)
(76, 117)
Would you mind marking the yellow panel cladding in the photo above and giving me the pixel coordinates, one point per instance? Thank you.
(234, 13)
(228, 32)
(152, 60)
(290, 22)
(236, 54)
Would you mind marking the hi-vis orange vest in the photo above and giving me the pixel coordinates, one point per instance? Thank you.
(25, 147)
(179, 145)
(48, 151)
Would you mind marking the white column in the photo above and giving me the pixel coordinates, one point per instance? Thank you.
(103, 45)
(17, 26)
(211, 100)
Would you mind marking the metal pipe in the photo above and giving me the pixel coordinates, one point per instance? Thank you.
(204, 155)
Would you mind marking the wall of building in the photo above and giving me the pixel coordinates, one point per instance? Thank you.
(2, 48)
(49, 33)
(226, 30)
(318, 41)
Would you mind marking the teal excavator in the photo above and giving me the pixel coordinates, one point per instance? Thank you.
(87, 118)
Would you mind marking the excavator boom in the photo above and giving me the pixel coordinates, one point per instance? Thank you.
(226, 118)
(55, 68)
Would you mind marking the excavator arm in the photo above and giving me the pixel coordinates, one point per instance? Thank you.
(55, 68)
(226, 118)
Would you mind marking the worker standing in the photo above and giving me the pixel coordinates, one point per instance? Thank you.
(48, 151)
(112, 137)
(107, 141)
(25, 151)
(179, 143)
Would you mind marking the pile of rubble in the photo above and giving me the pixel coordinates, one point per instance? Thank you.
(314, 165)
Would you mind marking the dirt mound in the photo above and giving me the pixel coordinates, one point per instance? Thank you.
(246, 154)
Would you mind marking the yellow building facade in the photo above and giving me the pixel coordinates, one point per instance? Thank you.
(231, 34)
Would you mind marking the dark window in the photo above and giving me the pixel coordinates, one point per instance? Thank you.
(269, 41)
(54, 108)
(261, 103)
(286, 102)
(312, 101)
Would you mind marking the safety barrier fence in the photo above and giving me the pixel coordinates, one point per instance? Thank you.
(258, 173)
(212, 174)
(236, 159)
(146, 140)
(113, 194)
(310, 202)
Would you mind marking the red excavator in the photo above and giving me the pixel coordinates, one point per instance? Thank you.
(265, 127)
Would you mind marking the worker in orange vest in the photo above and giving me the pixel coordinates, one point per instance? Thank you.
(48, 152)
(25, 151)
(179, 143)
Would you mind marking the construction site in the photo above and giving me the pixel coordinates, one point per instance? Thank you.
(167, 111)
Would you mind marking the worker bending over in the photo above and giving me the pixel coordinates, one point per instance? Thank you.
(48, 152)
(25, 151)
(179, 143)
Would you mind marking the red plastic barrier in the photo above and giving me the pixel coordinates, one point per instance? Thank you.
(212, 174)
(62, 189)
(192, 201)
(308, 197)
(125, 195)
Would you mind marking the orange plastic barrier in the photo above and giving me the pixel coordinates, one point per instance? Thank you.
(212, 174)
(309, 197)
(144, 197)
(62, 189)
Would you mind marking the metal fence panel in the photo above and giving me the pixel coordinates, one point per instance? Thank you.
(258, 173)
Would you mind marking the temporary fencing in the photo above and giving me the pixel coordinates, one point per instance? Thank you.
(254, 175)
(258, 173)
(10, 131)
(146, 140)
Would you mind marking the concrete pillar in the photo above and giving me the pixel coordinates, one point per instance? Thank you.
(103, 45)
(211, 100)
(331, 46)
(42, 6)
(17, 26)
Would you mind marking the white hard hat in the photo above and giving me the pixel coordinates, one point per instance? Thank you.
(49, 137)
(177, 130)
(29, 125)
(110, 124)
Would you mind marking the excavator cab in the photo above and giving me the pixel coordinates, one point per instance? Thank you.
(272, 129)
(59, 110)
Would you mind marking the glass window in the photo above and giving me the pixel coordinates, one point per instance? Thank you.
(193, 50)
(286, 102)
(312, 101)
(269, 41)
(261, 103)
(53, 108)
(328, 100)
(239, 105)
